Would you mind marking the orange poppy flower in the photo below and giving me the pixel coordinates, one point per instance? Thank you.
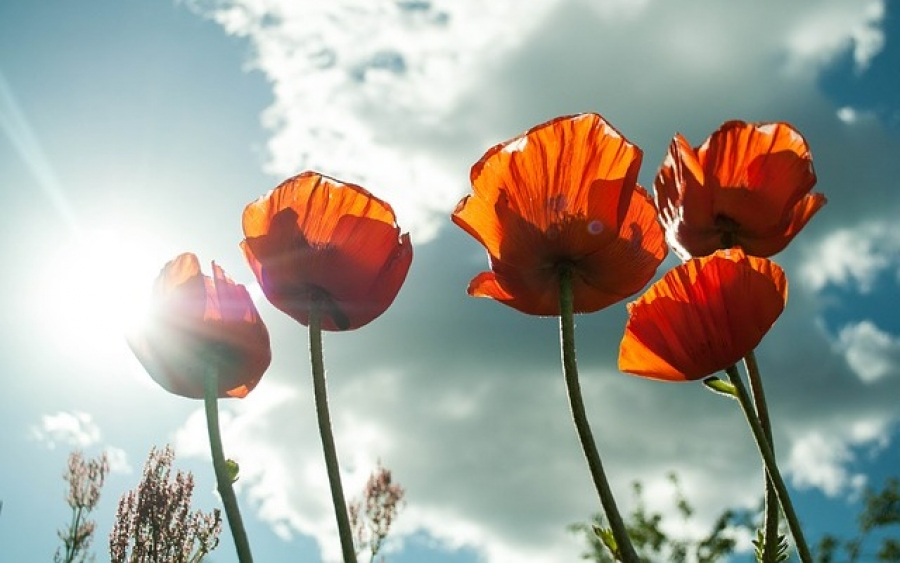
(747, 185)
(564, 194)
(702, 316)
(315, 238)
(197, 323)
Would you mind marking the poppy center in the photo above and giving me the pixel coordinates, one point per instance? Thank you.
(328, 306)
(727, 228)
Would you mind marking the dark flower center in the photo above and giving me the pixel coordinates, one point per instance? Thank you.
(728, 228)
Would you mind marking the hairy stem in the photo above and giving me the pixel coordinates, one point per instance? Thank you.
(583, 428)
(324, 419)
(765, 451)
(770, 524)
(223, 479)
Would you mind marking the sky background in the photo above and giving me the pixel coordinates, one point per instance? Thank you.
(134, 130)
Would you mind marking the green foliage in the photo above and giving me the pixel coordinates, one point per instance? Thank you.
(781, 553)
(880, 518)
(608, 539)
(716, 385)
(652, 543)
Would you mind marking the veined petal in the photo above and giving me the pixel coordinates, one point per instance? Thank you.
(523, 294)
(314, 238)
(627, 263)
(318, 201)
(750, 179)
(549, 172)
(563, 194)
(702, 316)
(773, 242)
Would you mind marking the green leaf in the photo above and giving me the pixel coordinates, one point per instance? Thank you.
(609, 540)
(781, 553)
(720, 387)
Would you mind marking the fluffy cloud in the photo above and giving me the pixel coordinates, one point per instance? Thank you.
(826, 34)
(822, 458)
(364, 90)
(854, 256)
(76, 429)
(871, 353)
(401, 95)
(462, 398)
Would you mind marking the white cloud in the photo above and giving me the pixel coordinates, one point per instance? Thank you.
(853, 256)
(821, 458)
(77, 430)
(817, 39)
(361, 86)
(69, 429)
(871, 353)
(847, 114)
(382, 92)
(118, 460)
(819, 461)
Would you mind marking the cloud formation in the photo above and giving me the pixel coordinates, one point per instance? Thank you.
(75, 429)
(871, 353)
(856, 256)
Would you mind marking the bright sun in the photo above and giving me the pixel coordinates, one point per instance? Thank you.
(96, 286)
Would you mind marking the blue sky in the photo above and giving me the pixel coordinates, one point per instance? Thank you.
(136, 130)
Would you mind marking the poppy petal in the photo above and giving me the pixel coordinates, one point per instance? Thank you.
(199, 323)
(762, 171)
(562, 195)
(751, 177)
(702, 316)
(316, 238)
(548, 174)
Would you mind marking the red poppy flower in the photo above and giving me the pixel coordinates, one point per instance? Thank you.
(702, 316)
(564, 194)
(747, 185)
(197, 323)
(314, 238)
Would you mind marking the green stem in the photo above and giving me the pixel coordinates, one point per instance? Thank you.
(324, 419)
(72, 543)
(626, 551)
(223, 480)
(771, 466)
(770, 525)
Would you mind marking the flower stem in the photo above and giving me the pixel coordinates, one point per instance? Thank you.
(626, 551)
(770, 525)
(771, 466)
(223, 480)
(324, 419)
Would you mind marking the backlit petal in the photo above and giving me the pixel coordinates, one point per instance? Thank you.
(197, 324)
(742, 187)
(562, 194)
(702, 316)
(315, 238)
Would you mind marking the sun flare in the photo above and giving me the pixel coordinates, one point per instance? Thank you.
(94, 289)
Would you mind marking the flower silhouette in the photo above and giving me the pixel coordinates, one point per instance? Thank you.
(702, 316)
(197, 323)
(563, 195)
(748, 185)
(315, 238)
